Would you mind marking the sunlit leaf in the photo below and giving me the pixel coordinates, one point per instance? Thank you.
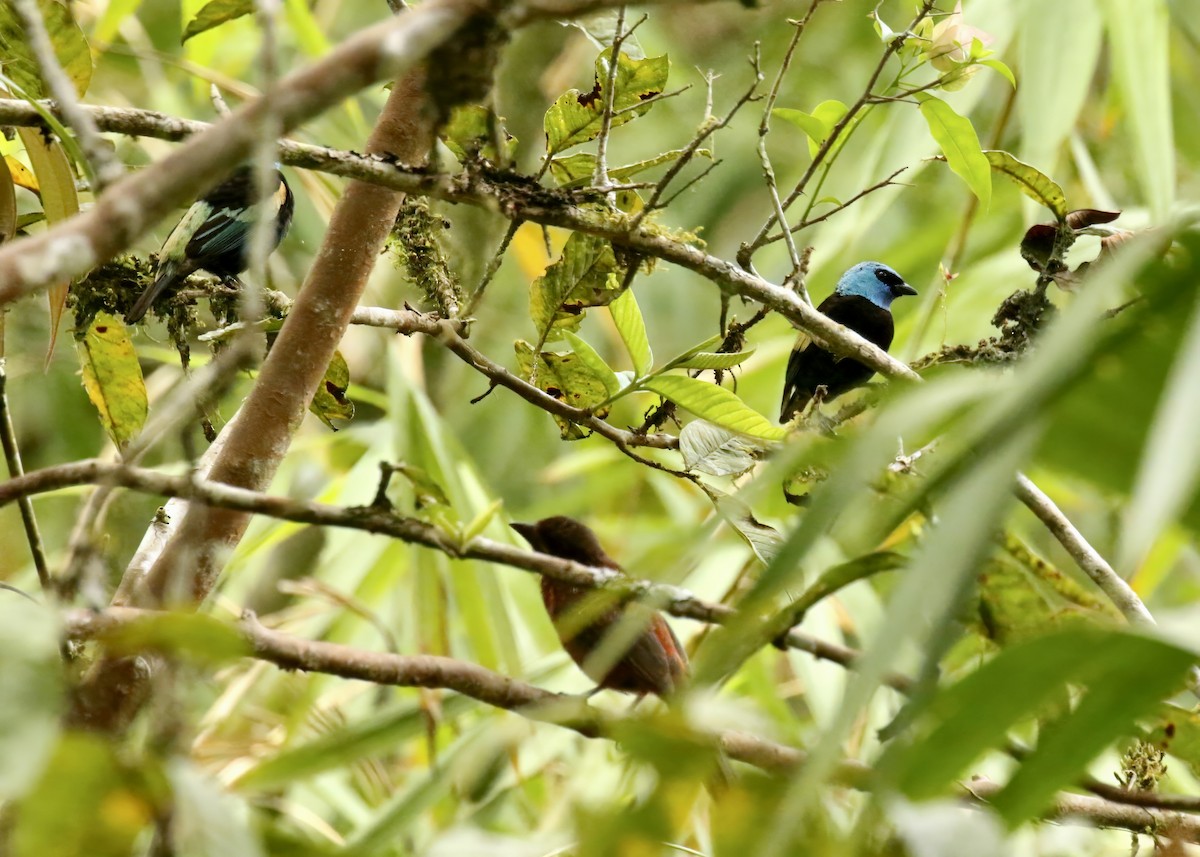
(112, 377)
(214, 14)
(958, 141)
(707, 360)
(819, 124)
(627, 317)
(467, 134)
(715, 404)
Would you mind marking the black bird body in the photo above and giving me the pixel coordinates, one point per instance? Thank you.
(861, 302)
(655, 661)
(214, 234)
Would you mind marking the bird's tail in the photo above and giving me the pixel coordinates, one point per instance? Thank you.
(169, 273)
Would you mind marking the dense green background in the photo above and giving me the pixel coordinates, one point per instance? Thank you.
(1106, 105)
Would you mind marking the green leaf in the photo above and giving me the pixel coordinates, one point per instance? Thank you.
(567, 378)
(820, 123)
(207, 820)
(582, 277)
(576, 117)
(70, 47)
(329, 402)
(700, 347)
(627, 316)
(214, 14)
(468, 136)
(595, 363)
(577, 170)
(715, 404)
(110, 19)
(30, 692)
(707, 360)
(1035, 184)
(112, 377)
(1004, 70)
(1125, 676)
(715, 450)
(956, 138)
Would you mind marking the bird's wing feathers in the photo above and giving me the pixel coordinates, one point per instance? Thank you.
(223, 231)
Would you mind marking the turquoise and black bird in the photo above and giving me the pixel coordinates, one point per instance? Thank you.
(862, 302)
(215, 232)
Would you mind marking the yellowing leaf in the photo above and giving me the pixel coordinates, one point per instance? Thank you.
(70, 47)
(584, 276)
(113, 378)
(56, 183)
(576, 117)
(1032, 182)
(567, 378)
(330, 402)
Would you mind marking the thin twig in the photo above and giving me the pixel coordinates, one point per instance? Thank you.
(12, 456)
(748, 249)
(102, 164)
(600, 174)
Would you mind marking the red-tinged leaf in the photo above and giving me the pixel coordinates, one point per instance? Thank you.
(1081, 218)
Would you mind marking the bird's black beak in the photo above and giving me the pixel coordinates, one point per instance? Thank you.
(527, 530)
(903, 289)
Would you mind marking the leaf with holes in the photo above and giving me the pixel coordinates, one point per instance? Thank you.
(576, 117)
(70, 48)
(583, 276)
(112, 378)
(567, 378)
(330, 402)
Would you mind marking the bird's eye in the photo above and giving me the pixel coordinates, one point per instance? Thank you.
(887, 277)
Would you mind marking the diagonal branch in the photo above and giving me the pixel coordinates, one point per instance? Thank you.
(572, 712)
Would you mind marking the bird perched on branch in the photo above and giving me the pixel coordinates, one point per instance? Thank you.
(215, 233)
(654, 663)
(862, 301)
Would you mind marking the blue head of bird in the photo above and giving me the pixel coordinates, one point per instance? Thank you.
(874, 281)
